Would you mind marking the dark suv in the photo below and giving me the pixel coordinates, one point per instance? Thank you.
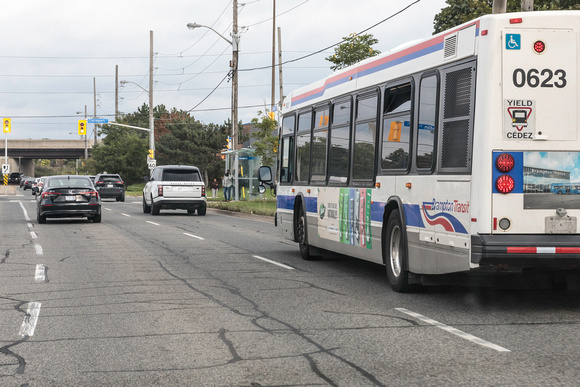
(110, 186)
(14, 178)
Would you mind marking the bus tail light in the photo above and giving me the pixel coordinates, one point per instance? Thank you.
(505, 162)
(505, 184)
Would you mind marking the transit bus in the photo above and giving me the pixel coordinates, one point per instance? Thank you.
(415, 159)
(565, 188)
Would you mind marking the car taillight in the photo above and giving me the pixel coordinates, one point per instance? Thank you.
(49, 195)
(159, 190)
(203, 190)
(120, 182)
(505, 162)
(91, 194)
(99, 182)
(505, 184)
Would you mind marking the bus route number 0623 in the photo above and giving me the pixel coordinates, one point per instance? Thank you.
(541, 78)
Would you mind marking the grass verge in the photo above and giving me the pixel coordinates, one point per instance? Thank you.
(266, 207)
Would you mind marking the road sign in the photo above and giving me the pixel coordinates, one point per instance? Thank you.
(151, 163)
(5, 169)
(98, 120)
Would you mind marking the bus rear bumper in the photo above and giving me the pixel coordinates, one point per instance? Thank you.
(526, 251)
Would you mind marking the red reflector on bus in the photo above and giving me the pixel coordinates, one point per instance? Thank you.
(516, 20)
(539, 47)
(505, 184)
(543, 250)
(505, 162)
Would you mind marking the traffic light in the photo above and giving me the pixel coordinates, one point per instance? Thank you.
(151, 155)
(7, 127)
(272, 115)
(82, 127)
(229, 143)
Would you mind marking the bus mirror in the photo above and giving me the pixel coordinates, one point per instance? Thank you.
(264, 174)
(261, 189)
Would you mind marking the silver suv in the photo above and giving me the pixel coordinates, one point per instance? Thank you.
(175, 187)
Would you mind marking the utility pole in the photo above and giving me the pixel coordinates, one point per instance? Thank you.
(151, 119)
(116, 92)
(95, 107)
(86, 134)
(235, 41)
(499, 6)
(280, 65)
(527, 5)
(273, 100)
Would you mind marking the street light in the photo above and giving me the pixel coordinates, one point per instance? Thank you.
(151, 119)
(234, 68)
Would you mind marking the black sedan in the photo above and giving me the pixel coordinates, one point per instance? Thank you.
(27, 182)
(69, 196)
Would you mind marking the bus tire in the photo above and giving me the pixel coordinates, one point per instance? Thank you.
(395, 249)
(302, 235)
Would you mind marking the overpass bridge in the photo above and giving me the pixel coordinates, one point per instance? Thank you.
(21, 153)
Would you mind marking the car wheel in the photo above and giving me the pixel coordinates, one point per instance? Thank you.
(154, 208)
(146, 208)
(117, 199)
(191, 210)
(41, 219)
(97, 218)
(122, 198)
(395, 250)
(202, 210)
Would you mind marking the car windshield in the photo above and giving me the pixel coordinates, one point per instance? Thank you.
(181, 175)
(68, 183)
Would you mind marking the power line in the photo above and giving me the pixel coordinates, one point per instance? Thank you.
(336, 44)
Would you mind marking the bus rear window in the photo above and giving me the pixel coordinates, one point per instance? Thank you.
(181, 175)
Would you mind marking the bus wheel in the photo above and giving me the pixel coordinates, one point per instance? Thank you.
(301, 236)
(396, 254)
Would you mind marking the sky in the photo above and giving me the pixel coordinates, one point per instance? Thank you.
(52, 52)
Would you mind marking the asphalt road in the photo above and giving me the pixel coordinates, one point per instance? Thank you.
(222, 300)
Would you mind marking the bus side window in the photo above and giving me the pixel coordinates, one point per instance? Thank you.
(427, 128)
(396, 127)
(338, 154)
(365, 135)
(319, 144)
(303, 147)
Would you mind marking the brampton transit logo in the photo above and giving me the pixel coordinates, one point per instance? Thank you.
(439, 213)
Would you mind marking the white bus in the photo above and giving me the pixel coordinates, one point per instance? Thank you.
(416, 159)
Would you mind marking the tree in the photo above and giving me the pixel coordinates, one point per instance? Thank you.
(266, 144)
(124, 150)
(460, 11)
(353, 49)
(188, 141)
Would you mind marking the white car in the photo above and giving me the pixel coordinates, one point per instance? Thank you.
(175, 187)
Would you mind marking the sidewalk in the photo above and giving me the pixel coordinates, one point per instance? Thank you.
(7, 190)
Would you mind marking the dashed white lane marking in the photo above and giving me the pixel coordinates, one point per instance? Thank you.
(273, 262)
(108, 209)
(33, 235)
(38, 249)
(24, 210)
(30, 320)
(153, 223)
(194, 236)
(40, 274)
(127, 215)
(454, 331)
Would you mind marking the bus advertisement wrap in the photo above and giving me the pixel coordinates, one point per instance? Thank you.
(346, 218)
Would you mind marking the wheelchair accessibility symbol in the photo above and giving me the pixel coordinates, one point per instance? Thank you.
(512, 41)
